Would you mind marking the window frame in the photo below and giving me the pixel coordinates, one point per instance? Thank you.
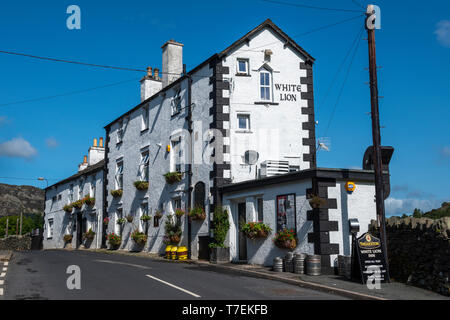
(268, 86)
(176, 101)
(120, 131)
(50, 226)
(145, 118)
(119, 174)
(144, 165)
(175, 166)
(247, 66)
(245, 115)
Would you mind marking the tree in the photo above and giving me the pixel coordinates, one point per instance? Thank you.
(417, 213)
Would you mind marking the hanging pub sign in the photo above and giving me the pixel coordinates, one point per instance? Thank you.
(369, 260)
(286, 212)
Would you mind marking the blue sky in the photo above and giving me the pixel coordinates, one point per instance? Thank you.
(49, 137)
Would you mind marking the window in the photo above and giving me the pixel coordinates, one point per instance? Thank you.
(243, 121)
(176, 204)
(286, 212)
(92, 189)
(50, 228)
(120, 132)
(143, 212)
(259, 203)
(242, 66)
(71, 193)
(265, 85)
(119, 214)
(80, 190)
(144, 166)
(176, 101)
(145, 118)
(119, 175)
(176, 153)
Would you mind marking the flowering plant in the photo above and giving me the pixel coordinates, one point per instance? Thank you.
(158, 214)
(88, 201)
(106, 221)
(114, 240)
(198, 213)
(141, 185)
(145, 217)
(179, 212)
(68, 208)
(67, 238)
(116, 193)
(316, 201)
(172, 177)
(89, 235)
(121, 221)
(77, 204)
(139, 237)
(172, 231)
(286, 239)
(256, 230)
(130, 218)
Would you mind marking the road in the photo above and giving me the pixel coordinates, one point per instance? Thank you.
(42, 275)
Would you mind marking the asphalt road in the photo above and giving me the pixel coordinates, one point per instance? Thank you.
(42, 275)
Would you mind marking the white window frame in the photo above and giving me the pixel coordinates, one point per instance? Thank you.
(70, 197)
(50, 227)
(264, 71)
(174, 204)
(145, 118)
(80, 190)
(120, 131)
(119, 174)
(144, 165)
(175, 159)
(118, 214)
(176, 101)
(143, 209)
(243, 115)
(246, 63)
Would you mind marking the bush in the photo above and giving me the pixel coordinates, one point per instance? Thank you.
(286, 239)
(30, 221)
(221, 225)
(198, 213)
(139, 237)
(116, 193)
(172, 177)
(141, 185)
(114, 240)
(256, 230)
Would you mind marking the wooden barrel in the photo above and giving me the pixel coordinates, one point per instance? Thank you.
(313, 265)
(299, 263)
(278, 264)
(289, 262)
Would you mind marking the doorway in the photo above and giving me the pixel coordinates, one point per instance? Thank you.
(79, 231)
(242, 239)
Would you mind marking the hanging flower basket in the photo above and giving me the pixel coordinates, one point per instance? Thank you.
(77, 204)
(172, 177)
(89, 201)
(106, 221)
(146, 218)
(255, 230)
(89, 235)
(158, 214)
(129, 218)
(286, 239)
(198, 213)
(139, 237)
(141, 185)
(116, 193)
(114, 240)
(68, 238)
(68, 208)
(179, 212)
(121, 221)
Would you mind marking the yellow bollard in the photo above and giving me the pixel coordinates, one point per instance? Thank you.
(182, 253)
(174, 252)
(168, 252)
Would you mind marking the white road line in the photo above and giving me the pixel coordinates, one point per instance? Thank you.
(124, 263)
(5, 269)
(1, 291)
(2, 282)
(174, 286)
(6, 263)
(2, 275)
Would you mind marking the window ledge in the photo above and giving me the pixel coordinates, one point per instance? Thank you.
(144, 130)
(243, 131)
(175, 114)
(242, 75)
(119, 143)
(267, 102)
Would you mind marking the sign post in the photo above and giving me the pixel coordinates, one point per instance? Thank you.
(370, 259)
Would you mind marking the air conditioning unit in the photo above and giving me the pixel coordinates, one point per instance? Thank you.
(271, 168)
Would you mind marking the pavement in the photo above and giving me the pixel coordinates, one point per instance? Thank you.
(311, 287)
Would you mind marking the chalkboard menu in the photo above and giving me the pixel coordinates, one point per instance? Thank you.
(369, 260)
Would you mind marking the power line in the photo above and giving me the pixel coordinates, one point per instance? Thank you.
(67, 93)
(343, 84)
(17, 178)
(310, 7)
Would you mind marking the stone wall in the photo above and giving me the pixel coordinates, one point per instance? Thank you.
(419, 251)
(15, 243)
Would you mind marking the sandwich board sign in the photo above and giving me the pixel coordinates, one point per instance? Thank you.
(369, 260)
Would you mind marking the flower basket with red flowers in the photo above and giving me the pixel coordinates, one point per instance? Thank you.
(139, 237)
(198, 213)
(106, 221)
(114, 240)
(256, 230)
(286, 239)
(179, 212)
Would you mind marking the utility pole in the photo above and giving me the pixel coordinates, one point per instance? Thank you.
(379, 196)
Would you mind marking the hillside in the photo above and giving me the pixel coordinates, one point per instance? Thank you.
(15, 198)
(443, 211)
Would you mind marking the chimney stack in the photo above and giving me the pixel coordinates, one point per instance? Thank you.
(83, 165)
(150, 84)
(172, 62)
(95, 142)
(101, 142)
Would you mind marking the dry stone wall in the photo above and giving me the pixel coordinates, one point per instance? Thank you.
(419, 251)
(15, 243)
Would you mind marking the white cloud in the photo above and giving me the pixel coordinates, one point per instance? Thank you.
(397, 207)
(51, 142)
(17, 148)
(443, 33)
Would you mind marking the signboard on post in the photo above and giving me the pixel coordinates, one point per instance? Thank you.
(369, 260)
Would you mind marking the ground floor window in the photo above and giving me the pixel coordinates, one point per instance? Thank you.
(50, 228)
(286, 212)
(259, 203)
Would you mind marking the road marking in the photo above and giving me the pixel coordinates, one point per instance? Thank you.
(174, 286)
(5, 269)
(2, 275)
(124, 263)
(2, 282)
(1, 291)
(6, 263)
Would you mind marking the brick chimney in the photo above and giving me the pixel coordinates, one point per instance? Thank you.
(172, 62)
(150, 84)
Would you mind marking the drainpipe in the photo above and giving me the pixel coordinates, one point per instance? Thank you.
(189, 171)
(105, 189)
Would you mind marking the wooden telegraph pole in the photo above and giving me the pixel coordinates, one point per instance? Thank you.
(379, 196)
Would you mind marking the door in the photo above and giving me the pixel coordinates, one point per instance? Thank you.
(242, 239)
(79, 231)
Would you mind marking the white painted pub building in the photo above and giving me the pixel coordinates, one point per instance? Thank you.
(240, 129)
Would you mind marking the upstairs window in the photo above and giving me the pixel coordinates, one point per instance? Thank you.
(176, 153)
(145, 118)
(119, 175)
(265, 85)
(120, 131)
(242, 67)
(144, 166)
(92, 189)
(176, 101)
(80, 191)
(71, 193)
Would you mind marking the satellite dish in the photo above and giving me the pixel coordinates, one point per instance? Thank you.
(251, 157)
